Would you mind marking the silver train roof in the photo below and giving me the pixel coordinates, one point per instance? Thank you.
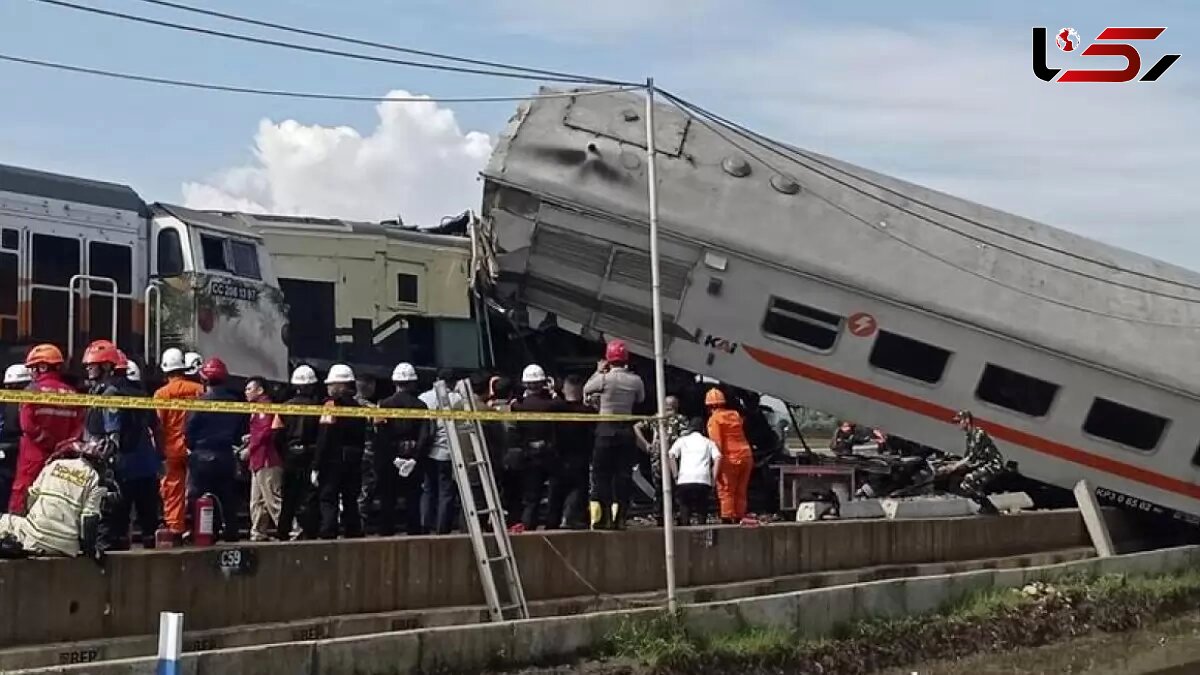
(913, 245)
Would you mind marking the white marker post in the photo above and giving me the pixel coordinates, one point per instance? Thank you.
(170, 643)
(660, 372)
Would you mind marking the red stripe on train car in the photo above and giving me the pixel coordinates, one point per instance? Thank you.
(999, 431)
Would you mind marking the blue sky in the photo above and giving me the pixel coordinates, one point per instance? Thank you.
(936, 92)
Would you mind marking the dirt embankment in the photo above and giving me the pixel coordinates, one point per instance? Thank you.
(995, 621)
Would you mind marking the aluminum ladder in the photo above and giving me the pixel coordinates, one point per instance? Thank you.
(493, 550)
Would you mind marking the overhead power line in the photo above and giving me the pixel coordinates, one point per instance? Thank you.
(378, 45)
(795, 155)
(297, 94)
(318, 50)
(709, 122)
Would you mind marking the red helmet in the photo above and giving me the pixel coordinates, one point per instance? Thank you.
(122, 361)
(616, 352)
(214, 371)
(101, 351)
(44, 355)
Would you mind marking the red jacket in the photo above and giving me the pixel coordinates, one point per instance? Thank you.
(44, 426)
(263, 454)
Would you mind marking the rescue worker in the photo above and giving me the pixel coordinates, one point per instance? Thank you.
(505, 454)
(646, 432)
(619, 390)
(696, 465)
(439, 501)
(337, 464)
(538, 443)
(16, 378)
(64, 505)
(212, 437)
(400, 447)
(982, 461)
(172, 488)
(127, 437)
(43, 426)
(133, 373)
(567, 503)
(725, 428)
(299, 445)
(364, 393)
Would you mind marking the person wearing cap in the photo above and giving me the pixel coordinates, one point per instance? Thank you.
(212, 437)
(400, 449)
(982, 461)
(127, 436)
(727, 430)
(337, 463)
(538, 444)
(16, 378)
(43, 426)
(619, 390)
(172, 487)
(299, 511)
(439, 501)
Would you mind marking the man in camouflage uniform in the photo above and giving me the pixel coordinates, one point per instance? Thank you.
(982, 460)
(646, 431)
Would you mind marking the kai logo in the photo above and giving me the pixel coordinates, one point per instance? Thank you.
(720, 343)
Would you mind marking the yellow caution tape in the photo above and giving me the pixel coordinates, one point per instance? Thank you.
(243, 407)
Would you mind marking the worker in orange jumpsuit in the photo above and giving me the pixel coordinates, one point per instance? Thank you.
(43, 426)
(737, 460)
(173, 485)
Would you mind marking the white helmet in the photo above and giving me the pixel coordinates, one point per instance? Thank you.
(192, 361)
(172, 360)
(340, 373)
(303, 375)
(404, 372)
(17, 374)
(133, 373)
(533, 374)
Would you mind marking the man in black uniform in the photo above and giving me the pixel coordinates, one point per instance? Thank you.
(364, 393)
(537, 442)
(400, 444)
(569, 481)
(337, 464)
(299, 444)
(16, 378)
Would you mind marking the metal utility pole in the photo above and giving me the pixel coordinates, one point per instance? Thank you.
(660, 368)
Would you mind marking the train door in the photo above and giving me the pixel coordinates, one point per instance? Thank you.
(12, 287)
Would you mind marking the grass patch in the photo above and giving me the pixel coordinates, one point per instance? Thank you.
(985, 621)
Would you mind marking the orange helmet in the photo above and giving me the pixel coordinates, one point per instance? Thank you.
(101, 351)
(122, 361)
(714, 398)
(44, 355)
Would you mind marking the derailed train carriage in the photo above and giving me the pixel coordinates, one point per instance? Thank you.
(826, 284)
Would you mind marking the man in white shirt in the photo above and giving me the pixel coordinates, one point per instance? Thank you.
(694, 463)
(439, 498)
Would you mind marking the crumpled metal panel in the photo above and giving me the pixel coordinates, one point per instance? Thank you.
(620, 117)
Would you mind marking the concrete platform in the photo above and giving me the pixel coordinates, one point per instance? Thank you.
(55, 600)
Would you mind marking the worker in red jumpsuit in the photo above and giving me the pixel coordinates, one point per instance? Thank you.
(43, 426)
(725, 428)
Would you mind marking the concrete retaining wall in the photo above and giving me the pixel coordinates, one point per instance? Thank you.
(463, 649)
(66, 600)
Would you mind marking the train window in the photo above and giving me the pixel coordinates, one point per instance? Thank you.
(1125, 425)
(908, 357)
(10, 239)
(213, 249)
(112, 261)
(245, 259)
(55, 260)
(8, 284)
(407, 287)
(170, 253)
(801, 323)
(1016, 391)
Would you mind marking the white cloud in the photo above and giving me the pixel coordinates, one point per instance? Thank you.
(416, 163)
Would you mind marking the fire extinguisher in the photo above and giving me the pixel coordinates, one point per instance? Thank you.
(206, 506)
